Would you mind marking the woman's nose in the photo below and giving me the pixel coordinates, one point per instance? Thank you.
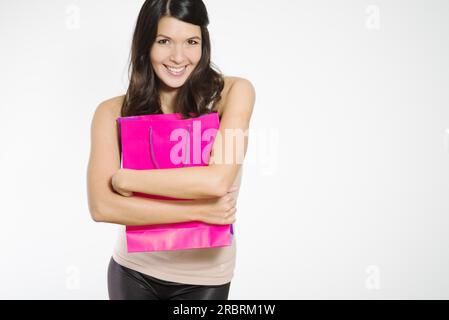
(177, 54)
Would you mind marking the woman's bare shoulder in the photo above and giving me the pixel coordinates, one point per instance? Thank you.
(112, 106)
(229, 82)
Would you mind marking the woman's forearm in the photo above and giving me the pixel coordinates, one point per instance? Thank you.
(198, 182)
(136, 210)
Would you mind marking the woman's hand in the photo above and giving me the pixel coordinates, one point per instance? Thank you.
(219, 210)
(117, 184)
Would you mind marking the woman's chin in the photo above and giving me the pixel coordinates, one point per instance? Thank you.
(173, 83)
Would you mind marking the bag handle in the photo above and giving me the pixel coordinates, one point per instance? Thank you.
(153, 158)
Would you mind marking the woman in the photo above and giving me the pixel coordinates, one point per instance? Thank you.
(171, 73)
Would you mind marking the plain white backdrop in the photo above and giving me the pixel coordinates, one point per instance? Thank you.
(345, 189)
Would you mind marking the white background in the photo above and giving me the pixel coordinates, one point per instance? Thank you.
(345, 190)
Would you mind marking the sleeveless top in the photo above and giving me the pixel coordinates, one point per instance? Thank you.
(205, 266)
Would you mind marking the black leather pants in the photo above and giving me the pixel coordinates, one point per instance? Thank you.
(128, 284)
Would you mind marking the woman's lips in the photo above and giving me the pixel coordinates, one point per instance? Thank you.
(176, 71)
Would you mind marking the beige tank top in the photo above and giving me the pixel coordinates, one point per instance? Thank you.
(207, 266)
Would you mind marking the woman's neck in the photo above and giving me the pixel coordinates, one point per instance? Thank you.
(167, 96)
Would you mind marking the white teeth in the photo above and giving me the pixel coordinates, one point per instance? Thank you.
(176, 70)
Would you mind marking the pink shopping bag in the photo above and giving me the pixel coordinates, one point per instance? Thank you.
(160, 141)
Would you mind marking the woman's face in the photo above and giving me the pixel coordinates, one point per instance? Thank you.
(176, 51)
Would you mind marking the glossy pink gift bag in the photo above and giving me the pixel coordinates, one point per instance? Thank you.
(162, 141)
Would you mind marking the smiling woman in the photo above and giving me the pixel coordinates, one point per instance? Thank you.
(171, 64)
(175, 54)
(171, 72)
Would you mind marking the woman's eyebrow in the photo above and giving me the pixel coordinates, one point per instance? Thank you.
(161, 35)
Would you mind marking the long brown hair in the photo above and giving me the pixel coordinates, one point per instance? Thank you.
(202, 89)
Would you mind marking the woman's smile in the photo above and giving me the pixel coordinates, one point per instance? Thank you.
(175, 71)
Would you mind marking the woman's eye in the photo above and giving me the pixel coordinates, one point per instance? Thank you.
(163, 41)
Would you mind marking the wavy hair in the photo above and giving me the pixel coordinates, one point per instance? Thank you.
(202, 89)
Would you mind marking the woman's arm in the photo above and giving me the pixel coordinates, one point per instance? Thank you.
(227, 157)
(142, 211)
(107, 206)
